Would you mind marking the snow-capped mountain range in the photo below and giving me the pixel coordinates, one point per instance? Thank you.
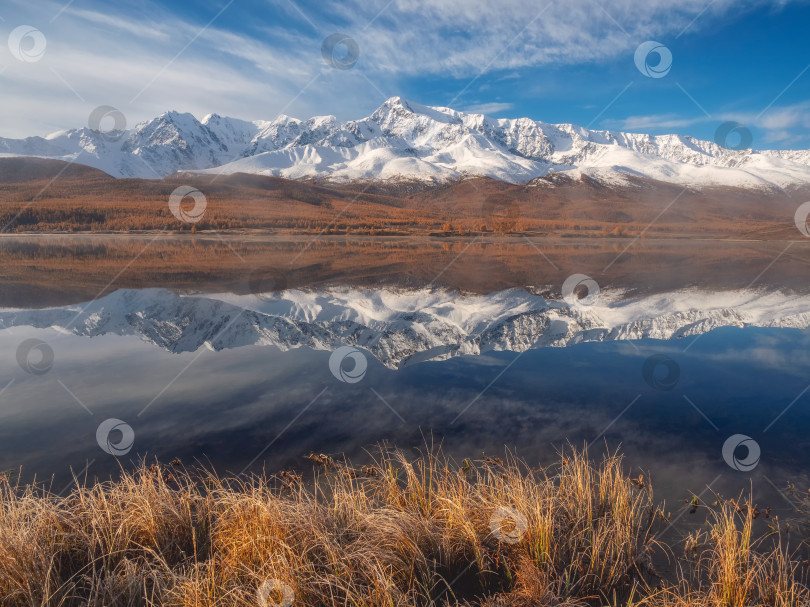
(400, 327)
(405, 140)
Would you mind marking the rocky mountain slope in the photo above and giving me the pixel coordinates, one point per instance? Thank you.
(405, 140)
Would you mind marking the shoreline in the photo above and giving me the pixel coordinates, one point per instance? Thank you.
(509, 238)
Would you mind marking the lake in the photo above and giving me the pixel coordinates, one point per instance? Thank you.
(247, 379)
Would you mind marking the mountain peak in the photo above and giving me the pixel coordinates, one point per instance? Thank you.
(173, 115)
(391, 114)
(172, 120)
(321, 121)
(398, 104)
(402, 139)
(395, 102)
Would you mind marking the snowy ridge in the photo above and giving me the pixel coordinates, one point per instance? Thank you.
(405, 140)
(402, 327)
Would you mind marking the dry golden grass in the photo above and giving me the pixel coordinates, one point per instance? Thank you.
(402, 531)
(727, 567)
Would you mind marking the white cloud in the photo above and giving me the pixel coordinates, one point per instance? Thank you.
(652, 122)
(95, 59)
(783, 125)
(779, 125)
(786, 117)
(145, 29)
(466, 37)
(489, 108)
(107, 56)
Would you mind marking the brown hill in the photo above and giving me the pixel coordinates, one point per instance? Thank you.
(24, 170)
(48, 196)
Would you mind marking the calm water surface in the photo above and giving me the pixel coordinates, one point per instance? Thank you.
(259, 408)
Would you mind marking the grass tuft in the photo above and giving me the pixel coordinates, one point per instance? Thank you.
(401, 531)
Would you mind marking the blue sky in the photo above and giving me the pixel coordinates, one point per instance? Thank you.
(560, 61)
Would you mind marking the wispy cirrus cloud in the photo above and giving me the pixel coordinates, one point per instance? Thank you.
(144, 29)
(465, 37)
(653, 122)
(262, 57)
(778, 125)
(96, 58)
(494, 107)
(784, 125)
